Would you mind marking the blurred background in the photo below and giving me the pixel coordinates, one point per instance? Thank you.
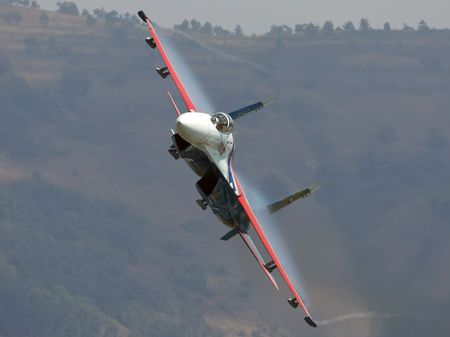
(99, 231)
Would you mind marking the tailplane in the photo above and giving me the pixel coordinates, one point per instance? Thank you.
(276, 206)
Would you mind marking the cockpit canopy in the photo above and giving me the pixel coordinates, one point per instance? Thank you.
(223, 122)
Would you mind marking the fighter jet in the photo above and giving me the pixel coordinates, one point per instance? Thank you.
(205, 141)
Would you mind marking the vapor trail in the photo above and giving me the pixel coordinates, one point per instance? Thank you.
(358, 315)
(195, 89)
(275, 236)
(228, 55)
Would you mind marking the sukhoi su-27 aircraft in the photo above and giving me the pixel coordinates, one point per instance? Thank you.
(205, 141)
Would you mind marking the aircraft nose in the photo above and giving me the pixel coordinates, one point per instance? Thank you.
(193, 126)
(185, 123)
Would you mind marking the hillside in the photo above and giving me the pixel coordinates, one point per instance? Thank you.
(100, 234)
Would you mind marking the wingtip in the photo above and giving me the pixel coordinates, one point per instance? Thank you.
(268, 102)
(315, 187)
(142, 15)
(310, 322)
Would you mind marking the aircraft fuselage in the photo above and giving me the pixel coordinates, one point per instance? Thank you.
(207, 146)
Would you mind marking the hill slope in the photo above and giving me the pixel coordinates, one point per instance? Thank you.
(100, 233)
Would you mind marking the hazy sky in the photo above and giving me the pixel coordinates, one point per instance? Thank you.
(258, 15)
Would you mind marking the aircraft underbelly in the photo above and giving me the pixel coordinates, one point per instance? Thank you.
(224, 204)
(222, 199)
(196, 160)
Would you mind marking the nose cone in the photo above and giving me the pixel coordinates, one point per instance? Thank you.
(194, 127)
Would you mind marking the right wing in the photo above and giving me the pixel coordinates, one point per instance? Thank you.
(168, 69)
(254, 107)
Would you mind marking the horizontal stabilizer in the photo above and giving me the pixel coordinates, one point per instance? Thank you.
(229, 235)
(254, 107)
(276, 206)
(250, 244)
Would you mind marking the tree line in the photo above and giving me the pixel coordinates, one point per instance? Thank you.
(308, 29)
(109, 17)
(24, 3)
(194, 26)
(15, 17)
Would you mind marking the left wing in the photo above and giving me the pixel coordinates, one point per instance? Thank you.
(168, 69)
(296, 300)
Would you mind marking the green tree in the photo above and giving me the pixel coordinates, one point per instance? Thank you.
(300, 28)
(275, 30)
(328, 27)
(423, 27)
(349, 27)
(90, 19)
(100, 13)
(207, 28)
(287, 30)
(112, 18)
(196, 25)
(68, 7)
(364, 25)
(238, 31)
(280, 30)
(221, 32)
(311, 29)
(184, 26)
